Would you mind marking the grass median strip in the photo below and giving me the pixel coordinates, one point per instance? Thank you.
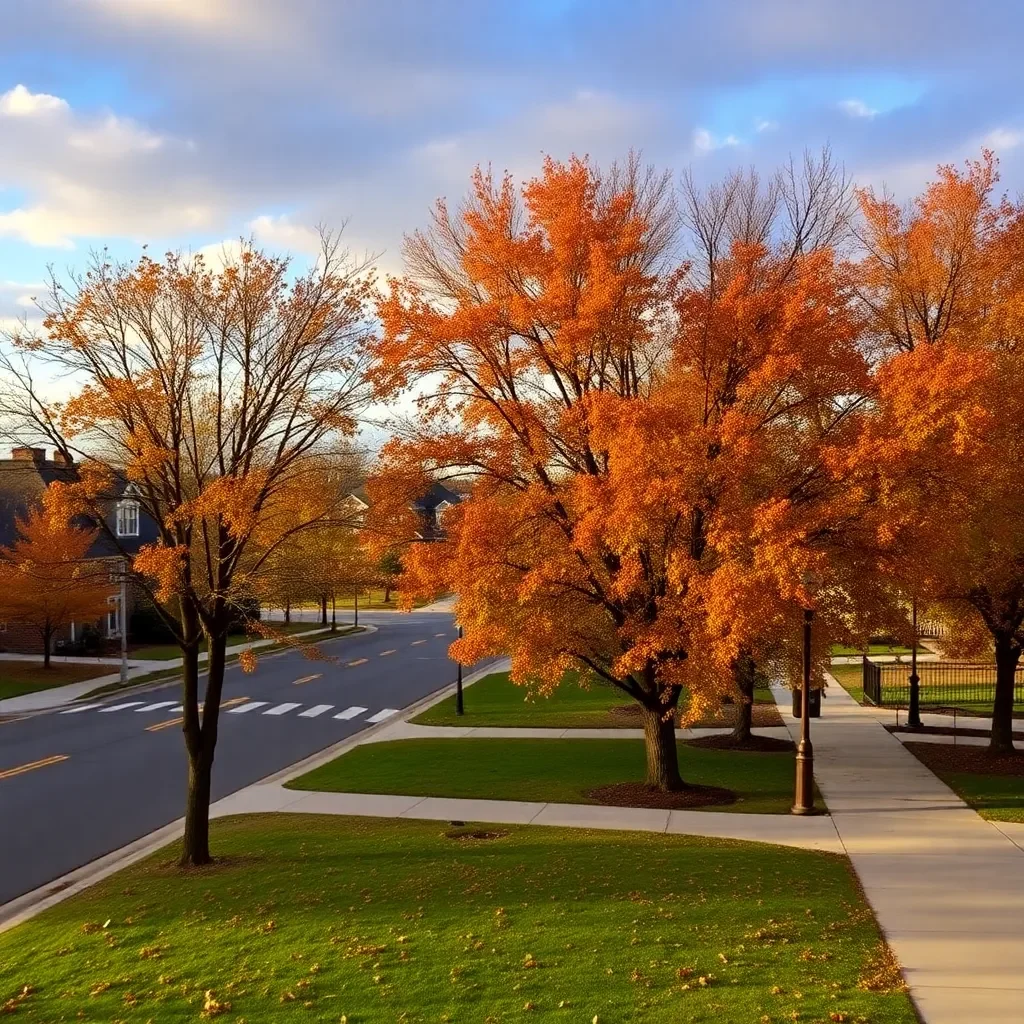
(496, 701)
(556, 771)
(359, 919)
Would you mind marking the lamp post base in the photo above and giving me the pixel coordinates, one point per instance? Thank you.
(804, 797)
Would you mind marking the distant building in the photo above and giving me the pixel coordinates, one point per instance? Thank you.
(24, 478)
(431, 509)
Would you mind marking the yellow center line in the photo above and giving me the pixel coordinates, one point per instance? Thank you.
(415, 642)
(307, 679)
(234, 700)
(358, 661)
(21, 769)
(394, 650)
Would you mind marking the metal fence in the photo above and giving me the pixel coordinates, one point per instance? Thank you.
(942, 683)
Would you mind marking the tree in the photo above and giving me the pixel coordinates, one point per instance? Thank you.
(942, 283)
(48, 580)
(216, 394)
(629, 434)
(389, 568)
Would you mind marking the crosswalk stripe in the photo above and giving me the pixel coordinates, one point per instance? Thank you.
(156, 707)
(281, 709)
(385, 653)
(251, 706)
(176, 709)
(84, 707)
(381, 715)
(120, 707)
(350, 713)
(316, 709)
(416, 643)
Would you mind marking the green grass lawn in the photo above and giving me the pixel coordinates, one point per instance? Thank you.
(850, 678)
(329, 919)
(496, 701)
(19, 677)
(996, 797)
(559, 771)
(838, 650)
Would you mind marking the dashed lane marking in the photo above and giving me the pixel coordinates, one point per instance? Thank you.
(350, 713)
(440, 634)
(32, 765)
(315, 711)
(358, 661)
(416, 643)
(381, 715)
(384, 654)
(307, 679)
(282, 709)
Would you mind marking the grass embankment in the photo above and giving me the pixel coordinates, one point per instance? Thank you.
(556, 771)
(20, 677)
(333, 919)
(993, 786)
(496, 701)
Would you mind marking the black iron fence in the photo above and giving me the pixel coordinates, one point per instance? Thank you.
(942, 683)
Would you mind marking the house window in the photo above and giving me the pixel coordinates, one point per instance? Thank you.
(127, 519)
(113, 616)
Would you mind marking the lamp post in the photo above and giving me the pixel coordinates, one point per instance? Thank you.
(914, 711)
(459, 709)
(123, 624)
(355, 600)
(804, 797)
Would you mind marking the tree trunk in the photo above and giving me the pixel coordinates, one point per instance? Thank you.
(387, 592)
(1007, 656)
(195, 849)
(288, 611)
(744, 671)
(662, 755)
(323, 610)
(47, 643)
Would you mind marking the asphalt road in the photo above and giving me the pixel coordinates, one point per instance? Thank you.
(124, 768)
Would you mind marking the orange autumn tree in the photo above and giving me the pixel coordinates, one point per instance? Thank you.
(609, 526)
(214, 393)
(48, 580)
(942, 282)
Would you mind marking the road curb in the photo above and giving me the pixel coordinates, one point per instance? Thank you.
(28, 905)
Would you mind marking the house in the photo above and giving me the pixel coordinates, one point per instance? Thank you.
(24, 478)
(431, 509)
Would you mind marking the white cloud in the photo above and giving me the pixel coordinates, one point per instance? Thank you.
(1002, 139)
(857, 108)
(705, 142)
(283, 233)
(115, 136)
(20, 102)
(764, 125)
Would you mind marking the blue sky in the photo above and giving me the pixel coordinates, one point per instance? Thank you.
(185, 123)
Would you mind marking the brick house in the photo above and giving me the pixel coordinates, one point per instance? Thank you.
(24, 478)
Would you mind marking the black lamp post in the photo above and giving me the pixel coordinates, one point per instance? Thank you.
(914, 711)
(459, 709)
(804, 796)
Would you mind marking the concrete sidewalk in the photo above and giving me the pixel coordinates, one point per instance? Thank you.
(946, 885)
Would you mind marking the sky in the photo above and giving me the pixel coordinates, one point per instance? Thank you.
(183, 124)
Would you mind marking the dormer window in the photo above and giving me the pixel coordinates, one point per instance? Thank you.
(128, 518)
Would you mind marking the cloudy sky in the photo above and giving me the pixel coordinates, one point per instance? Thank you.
(183, 123)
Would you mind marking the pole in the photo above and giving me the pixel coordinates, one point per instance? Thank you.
(124, 621)
(356, 623)
(459, 708)
(804, 802)
(334, 614)
(914, 712)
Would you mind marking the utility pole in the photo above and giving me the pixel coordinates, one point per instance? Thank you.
(124, 621)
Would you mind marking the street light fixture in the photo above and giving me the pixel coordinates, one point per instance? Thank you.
(803, 802)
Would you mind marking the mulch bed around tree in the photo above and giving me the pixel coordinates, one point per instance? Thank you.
(944, 757)
(639, 794)
(725, 741)
(764, 716)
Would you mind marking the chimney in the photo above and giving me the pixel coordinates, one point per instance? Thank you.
(25, 454)
(60, 459)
